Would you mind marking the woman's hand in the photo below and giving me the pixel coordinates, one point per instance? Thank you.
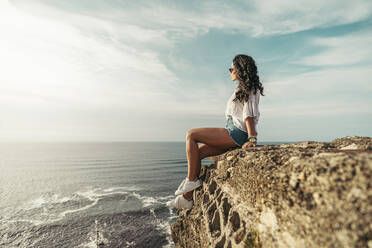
(248, 144)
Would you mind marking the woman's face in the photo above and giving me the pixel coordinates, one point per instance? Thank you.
(233, 74)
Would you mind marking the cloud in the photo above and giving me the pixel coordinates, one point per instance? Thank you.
(349, 49)
(327, 92)
(83, 61)
(254, 18)
(77, 65)
(60, 62)
(283, 17)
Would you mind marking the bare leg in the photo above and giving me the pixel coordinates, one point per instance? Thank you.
(216, 141)
(208, 151)
(204, 152)
(193, 158)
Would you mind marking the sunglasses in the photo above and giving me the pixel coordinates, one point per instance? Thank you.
(231, 70)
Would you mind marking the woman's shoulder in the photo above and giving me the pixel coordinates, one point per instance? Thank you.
(251, 92)
(254, 97)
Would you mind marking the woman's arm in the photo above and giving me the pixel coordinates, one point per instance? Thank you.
(250, 109)
(250, 126)
(249, 121)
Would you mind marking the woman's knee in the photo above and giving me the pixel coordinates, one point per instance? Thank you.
(190, 134)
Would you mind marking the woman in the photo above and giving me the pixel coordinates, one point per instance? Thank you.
(242, 114)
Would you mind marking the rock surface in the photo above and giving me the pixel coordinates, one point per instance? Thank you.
(304, 194)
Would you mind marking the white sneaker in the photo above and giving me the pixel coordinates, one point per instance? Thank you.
(180, 202)
(181, 185)
(188, 186)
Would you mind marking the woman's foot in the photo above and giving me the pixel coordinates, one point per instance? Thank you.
(181, 185)
(187, 186)
(180, 202)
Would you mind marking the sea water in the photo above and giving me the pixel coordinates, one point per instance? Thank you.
(89, 194)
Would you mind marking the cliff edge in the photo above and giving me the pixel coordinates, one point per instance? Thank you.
(304, 194)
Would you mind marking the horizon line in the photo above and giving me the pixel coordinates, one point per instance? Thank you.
(130, 141)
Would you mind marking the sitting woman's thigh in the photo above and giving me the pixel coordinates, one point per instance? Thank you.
(206, 151)
(218, 137)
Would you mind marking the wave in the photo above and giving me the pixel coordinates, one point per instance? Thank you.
(149, 200)
(55, 207)
(128, 229)
(164, 227)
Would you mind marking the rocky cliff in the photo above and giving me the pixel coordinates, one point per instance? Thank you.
(304, 194)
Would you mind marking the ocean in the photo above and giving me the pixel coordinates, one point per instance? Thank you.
(90, 194)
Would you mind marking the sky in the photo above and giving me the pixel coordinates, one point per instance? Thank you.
(110, 70)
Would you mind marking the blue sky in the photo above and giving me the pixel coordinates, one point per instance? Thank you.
(115, 70)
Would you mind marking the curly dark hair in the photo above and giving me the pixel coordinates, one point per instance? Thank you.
(247, 76)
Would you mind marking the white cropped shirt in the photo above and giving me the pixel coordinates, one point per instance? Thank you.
(239, 111)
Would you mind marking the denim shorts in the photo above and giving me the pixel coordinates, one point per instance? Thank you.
(237, 135)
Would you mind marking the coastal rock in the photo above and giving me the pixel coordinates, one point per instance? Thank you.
(304, 194)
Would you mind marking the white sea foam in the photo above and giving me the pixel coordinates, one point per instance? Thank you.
(44, 200)
(37, 203)
(166, 227)
(89, 244)
(128, 188)
(130, 244)
(95, 238)
(34, 222)
(150, 201)
(163, 226)
(64, 213)
(92, 195)
(146, 200)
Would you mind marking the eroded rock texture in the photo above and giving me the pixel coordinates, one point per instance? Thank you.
(305, 194)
